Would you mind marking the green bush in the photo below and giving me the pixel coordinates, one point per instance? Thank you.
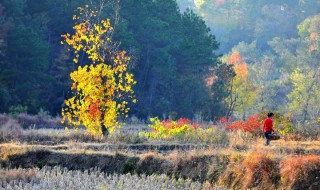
(186, 131)
(16, 110)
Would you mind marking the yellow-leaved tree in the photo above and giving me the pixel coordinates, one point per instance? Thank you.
(102, 87)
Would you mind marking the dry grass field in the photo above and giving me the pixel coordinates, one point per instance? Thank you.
(39, 158)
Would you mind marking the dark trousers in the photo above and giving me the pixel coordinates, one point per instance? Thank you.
(267, 135)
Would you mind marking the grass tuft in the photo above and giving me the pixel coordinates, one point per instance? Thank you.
(301, 172)
(257, 170)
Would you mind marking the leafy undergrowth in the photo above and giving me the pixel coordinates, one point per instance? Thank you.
(184, 131)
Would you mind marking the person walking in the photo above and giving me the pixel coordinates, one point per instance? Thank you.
(268, 128)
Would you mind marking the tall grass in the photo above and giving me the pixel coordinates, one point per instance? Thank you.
(39, 121)
(257, 170)
(57, 178)
(9, 128)
(301, 172)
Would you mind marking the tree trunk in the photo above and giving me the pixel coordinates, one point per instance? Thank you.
(105, 131)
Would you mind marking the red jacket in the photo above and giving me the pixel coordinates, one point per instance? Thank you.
(268, 125)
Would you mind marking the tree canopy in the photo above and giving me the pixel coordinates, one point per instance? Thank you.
(210, 58)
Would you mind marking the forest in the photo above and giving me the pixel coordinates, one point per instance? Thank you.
(201, 58)
(35, 67)
(276, 44)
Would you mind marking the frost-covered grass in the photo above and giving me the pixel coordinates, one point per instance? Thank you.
(57, 178)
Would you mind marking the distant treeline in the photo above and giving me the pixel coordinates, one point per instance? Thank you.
(275, 47)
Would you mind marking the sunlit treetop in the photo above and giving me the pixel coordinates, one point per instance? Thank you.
(240, 67)
(309, 30)
(90, 35)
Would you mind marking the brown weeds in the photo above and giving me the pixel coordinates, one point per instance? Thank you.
(39, 121)
(9, 129)
(257, 170)
(6, 150)
(25, 175)
(301, 172)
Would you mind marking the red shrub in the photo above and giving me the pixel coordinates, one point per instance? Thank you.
(225, 120)
(250, 125)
